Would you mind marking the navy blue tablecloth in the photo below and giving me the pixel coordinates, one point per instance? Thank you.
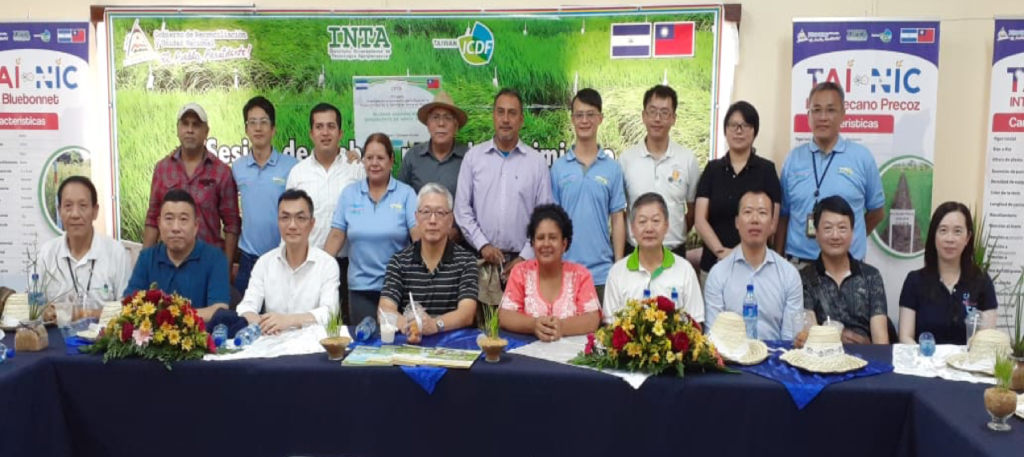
(305, 405)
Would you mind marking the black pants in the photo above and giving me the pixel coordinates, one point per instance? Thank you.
(343, 289)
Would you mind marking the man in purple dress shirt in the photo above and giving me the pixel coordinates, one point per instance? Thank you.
(500, 183)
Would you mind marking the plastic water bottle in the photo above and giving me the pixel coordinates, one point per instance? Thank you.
(647, 294)
(220, 334)
(675, 298)
(248, 335)
(366, 329)
(750, 312)
(3, 353)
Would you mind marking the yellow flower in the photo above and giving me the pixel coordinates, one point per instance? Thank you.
(189, 321)
(670, 357)
(658, 329)
(650, 314)
(655, 358)
(633, 349)
(200, 339)
(159, 336)
(613, 354)
(146, 326)
(647, 338)
(679, 318)
(186, 344)
(174, 310)
(147, 310)
(173, 336)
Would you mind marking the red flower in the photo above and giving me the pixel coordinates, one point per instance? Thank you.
(590, 344)
(210, 344)
(126, 332)
(619, 338)
(199, 322)
(680, 342)
(154, 296)
(665, 304)
(164, 316)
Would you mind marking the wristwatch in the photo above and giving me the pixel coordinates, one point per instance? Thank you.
(440, 325)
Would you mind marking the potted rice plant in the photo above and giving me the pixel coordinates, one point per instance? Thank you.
(334, 343)
(491, 341)
(1000, 401)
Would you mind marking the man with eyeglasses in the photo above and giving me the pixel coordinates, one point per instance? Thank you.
(827, 165)
(261, 177)
(663, 166)
(295, 284)
(587, 183)
(193, 168)
(840, 287)
(441, 276)
(501, 181)
(323, 176)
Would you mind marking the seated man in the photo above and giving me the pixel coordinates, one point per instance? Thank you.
(651, 266)
(295, 284)
(839, 286)
(183, 264)
(440, 275)
(777, 286)
(82, 262)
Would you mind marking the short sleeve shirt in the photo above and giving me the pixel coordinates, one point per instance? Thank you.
(941, 311)
(849, 171)
(211, 185)
(860, 297)
(201, 278)
(578, 295)
(324, 187)
(439, 291)
(723, 187)
(374, 231)
(260, 187)
(420, 166)
(674, 176)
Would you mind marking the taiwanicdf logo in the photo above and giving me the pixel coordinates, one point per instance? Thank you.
(476, 45)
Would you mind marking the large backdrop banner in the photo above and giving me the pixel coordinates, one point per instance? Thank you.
(1004, 175)
(889, 71)
(379, 67)
(43, 117)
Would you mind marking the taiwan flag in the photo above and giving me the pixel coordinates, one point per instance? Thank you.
(673, 39)
(433, 83)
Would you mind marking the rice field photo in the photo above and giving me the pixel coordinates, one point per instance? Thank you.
(907, 182)
(64, 163)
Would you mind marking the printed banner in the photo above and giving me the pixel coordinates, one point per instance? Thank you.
(1004, 175)
(43, 87)
(889, 71)
(158, 62)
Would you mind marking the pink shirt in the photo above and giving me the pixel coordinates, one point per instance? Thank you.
(578, 295)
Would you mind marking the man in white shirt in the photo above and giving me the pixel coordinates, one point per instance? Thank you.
(663, 166)
(323, 176)
(295, 284)
(82, 261)
(651, 266)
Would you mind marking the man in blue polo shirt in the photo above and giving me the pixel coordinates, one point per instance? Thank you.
(182, 263)
(589, 186)
(829, 165)
(261, 177)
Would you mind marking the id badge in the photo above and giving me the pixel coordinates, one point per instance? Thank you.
(811, 233)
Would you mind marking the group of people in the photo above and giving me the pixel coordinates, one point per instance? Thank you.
(569, 244)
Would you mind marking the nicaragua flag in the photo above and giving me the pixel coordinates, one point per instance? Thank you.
(362, 84)
(631, 41)
(917, 35)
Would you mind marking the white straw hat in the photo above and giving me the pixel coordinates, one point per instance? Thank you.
(981, 352)
(729, 335)
(823, 353)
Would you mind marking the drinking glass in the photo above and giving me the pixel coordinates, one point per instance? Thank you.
(927, 344)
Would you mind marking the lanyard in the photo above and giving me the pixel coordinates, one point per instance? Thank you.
(818, 181)
(74, 280)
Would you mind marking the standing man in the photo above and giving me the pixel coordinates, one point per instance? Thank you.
(777, 286)
(323, 176)
(183, 264)
(588, 185)
(501, 181)
(196, 170)
(439, 159)
(261, 178)
(663, 166)
(828, 165)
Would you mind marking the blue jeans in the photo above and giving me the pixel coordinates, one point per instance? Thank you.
(245, 263)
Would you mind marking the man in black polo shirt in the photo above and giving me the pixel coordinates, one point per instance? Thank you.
(842, 288)
(440, 275)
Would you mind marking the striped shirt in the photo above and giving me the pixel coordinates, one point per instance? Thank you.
(438, 292)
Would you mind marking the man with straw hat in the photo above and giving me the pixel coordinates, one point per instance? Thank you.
(439, 159)
(840, 287)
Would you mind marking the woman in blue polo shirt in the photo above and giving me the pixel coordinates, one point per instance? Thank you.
(938, 297)
(377, 217)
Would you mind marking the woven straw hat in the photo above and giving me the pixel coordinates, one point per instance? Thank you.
(442, 100)
(981, 352)
(16, 307)
(729, 335)
(823, 353)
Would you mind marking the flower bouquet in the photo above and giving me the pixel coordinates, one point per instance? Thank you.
(650, 336)
(155, 325)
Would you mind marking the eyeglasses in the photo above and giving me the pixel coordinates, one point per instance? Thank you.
(287, 219)
(441, 117)
(261, 122)
(660, 113)
(738, 126)
(589, 115)
(426, 213)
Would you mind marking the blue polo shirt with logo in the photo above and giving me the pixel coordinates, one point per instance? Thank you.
(201, 278)
(853, 175)
(589, 197)
(260, 188)
(374, 231)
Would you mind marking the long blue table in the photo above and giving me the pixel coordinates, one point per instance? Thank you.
(53, 404)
